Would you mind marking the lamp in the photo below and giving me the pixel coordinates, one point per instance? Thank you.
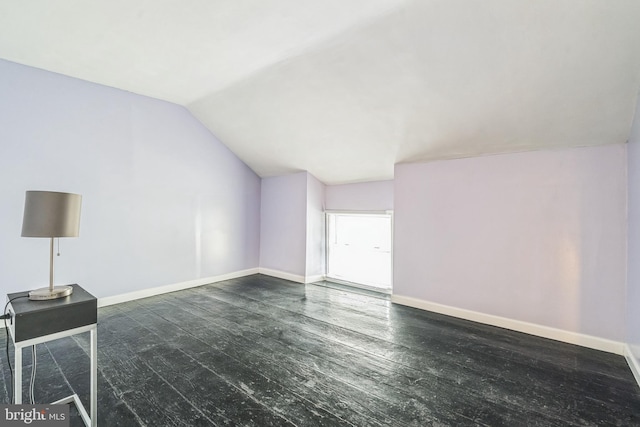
(51, 214)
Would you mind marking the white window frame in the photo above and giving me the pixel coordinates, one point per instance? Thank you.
(385, 213)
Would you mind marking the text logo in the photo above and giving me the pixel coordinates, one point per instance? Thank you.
(34, 415)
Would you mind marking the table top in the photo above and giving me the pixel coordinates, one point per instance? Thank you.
(25, 305)
(41, 319)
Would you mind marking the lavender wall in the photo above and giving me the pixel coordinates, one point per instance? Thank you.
(633, 261)
(537, 237)
(365, 196)
(283, 223)
(163, 200)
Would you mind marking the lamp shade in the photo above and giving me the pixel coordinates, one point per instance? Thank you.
(51, 214)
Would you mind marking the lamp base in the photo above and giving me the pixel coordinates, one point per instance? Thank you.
(44, 294)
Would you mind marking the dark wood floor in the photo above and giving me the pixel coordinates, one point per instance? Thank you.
(262, 351)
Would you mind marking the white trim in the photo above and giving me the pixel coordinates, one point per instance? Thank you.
(359, 285)
(282, 275)
(583, 340)
(633, 362)
(316, 278)
(145, 293)
(356, 212)
(290, 276)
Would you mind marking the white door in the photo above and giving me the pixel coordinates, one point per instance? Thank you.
(359, 248)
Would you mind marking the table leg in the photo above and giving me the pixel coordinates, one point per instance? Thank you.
(17, 377)
(94, 377)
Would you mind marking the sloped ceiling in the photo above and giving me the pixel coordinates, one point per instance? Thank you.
(347, 88)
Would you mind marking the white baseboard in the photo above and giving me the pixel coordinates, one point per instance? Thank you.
(386, 291)
(583, 340)
(634, 363)
(290, 276)
(144, 293)
(281, 275)
(316, 278)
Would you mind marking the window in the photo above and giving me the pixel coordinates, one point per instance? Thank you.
(359, 248)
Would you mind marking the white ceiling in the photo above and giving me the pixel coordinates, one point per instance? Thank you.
(347, 88)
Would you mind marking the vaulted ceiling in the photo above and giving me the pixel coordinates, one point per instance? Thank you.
(347, 88)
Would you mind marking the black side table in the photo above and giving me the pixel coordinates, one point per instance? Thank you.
(36, 322)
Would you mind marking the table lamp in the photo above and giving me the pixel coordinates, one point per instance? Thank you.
(51, 214)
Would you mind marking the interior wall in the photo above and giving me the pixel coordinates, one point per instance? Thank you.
(364, 196)
(633, 266)
(315, 262)
(283, 219)
(163, 200)
(538, 237)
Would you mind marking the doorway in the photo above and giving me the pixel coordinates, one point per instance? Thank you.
(359, 249)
